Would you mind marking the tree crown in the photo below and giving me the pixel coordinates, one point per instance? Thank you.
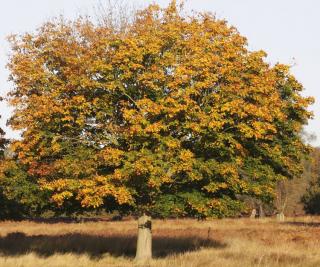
(172, 116)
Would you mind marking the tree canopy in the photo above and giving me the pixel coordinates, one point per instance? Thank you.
(171, 115)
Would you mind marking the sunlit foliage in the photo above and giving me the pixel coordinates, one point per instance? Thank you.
(172, 115)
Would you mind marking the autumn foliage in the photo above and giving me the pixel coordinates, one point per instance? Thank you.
(171, 115)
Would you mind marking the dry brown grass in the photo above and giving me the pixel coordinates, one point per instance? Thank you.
(239, 242)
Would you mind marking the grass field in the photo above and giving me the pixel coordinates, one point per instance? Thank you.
(238, 242)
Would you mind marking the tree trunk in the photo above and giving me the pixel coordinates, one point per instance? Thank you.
(144, 242)
(261, 212)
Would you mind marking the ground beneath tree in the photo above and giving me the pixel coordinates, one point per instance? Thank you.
(229, 242)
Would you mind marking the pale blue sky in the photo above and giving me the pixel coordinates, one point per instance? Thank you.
(288, 30)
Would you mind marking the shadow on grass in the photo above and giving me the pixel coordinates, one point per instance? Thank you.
(68, 220)
(305, 224)
(80, 219)
(95, 246)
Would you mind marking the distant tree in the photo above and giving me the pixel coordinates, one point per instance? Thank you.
(281, 199)
(3, 140)
(291, 192)
(311, 199)
(171, 116)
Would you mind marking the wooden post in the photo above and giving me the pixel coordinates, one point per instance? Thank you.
(280, 217)
(144, 241)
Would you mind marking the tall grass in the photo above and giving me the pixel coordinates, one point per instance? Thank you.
(238, 242)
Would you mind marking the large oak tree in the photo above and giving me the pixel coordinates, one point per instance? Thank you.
(171, 115)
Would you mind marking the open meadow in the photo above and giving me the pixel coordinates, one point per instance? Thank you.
(227, 242)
